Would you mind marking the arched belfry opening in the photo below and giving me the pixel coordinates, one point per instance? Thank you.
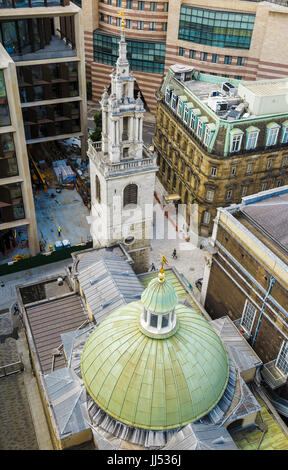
(130, 195)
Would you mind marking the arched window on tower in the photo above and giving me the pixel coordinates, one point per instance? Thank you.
(98, 189)
(130, 194)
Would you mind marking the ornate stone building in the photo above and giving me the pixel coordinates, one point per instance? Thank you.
(122, 170)
(219, 140)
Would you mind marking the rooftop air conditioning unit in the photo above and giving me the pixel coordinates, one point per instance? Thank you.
(214, 93)
(229, 89)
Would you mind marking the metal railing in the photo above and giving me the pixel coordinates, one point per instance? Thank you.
(12, 368)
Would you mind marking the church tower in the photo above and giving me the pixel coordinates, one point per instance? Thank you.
(122, 170)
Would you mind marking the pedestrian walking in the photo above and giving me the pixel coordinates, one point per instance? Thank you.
(174, 254)
(59, 230)
(153, 267)
(2, 284)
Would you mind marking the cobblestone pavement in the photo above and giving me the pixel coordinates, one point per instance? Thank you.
(17, 430)
(16, 424)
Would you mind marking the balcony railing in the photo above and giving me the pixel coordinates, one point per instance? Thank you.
(272, 375)
(109, 168)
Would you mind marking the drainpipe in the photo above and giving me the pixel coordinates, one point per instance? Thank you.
(272, 281)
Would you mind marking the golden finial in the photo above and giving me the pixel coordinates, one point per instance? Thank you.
(161, 275)
(121, 13)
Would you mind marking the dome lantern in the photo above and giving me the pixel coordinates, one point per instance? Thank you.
(159, 300)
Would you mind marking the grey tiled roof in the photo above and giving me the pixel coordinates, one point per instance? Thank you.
(238, 348)
(107, 284)
(270, 216)
(67, 395)
(197, 436)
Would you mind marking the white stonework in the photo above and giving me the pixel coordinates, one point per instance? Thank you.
(119, 160)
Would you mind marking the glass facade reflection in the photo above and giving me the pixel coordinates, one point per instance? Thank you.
(4, 108)
(35, 37)
(144, 56)
(8, 160)
(216, 28)
(11, 203)
(25, 36)
(49, 81)
(51, 120)
(32, 3)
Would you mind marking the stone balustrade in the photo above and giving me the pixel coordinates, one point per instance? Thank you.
(95, 152)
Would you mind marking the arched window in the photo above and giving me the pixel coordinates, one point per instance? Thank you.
(130, 194)
(98, 189)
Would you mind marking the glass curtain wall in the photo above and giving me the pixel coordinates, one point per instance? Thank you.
(144, 56)
(49, 81)
(28, 36)
(11, 203)
(8, 160)
(216, 28)
(32, 3)
(51, 120)
(4, 108)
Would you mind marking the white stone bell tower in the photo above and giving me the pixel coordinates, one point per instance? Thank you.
(122, 170)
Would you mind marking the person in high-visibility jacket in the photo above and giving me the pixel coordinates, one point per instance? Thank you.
(59, 230)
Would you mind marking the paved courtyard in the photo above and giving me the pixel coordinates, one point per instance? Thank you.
(65, 209)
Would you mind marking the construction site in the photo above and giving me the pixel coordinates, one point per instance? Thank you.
(60, 183)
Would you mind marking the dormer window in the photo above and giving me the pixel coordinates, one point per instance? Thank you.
(195, 113)
(272, 134)
(284, 132)
(181, 103)
(252, 137)
(236, 136)
(179, 108)
(174, 101)
(193, 120)
(167, 95)
(200, 127)
(207, 136)
(209, 132)
(186, 114)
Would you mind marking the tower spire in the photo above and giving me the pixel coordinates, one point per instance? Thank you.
(122, 58)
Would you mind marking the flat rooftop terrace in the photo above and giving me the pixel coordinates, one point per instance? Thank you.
(202, 89)
(267, 220)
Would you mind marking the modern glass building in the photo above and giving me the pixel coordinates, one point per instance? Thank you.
(143, 56)
(216, 28)
(42, 99)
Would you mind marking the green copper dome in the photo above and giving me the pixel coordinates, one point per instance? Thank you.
(159, 297)
(151, 382)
